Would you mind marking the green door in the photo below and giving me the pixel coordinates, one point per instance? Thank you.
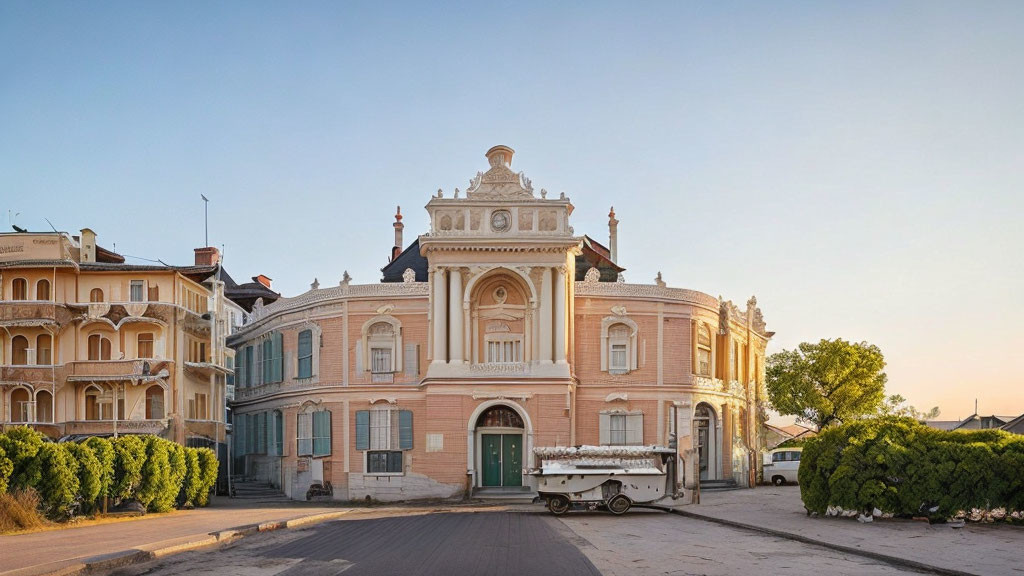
(490, 459)
(512, 460)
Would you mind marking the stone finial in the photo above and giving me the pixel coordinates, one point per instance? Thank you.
(499, 155)
(440, 193)
(345, 279)
(456, 192)
(593, 275)
(561, 196)
(315, 285)
(621, 277)
(613, 235)
(543, 193)
(658, 280)
(409, 275)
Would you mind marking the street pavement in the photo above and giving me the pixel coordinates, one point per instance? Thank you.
(524, 540)
(989, 550)
(53, 549)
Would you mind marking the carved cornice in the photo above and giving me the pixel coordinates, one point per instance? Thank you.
(625, 290)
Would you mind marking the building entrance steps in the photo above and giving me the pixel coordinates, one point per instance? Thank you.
(257, 492)
(718, 485)
(512, 494)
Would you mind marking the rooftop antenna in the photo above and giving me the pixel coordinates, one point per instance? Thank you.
(206, 218)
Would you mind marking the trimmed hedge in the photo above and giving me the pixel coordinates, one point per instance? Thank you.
(905, 468)
(72, 478)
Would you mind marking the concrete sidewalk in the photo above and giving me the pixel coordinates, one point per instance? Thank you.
(975, 549)
(67, 550)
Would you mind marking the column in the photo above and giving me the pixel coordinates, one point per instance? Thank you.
(455, 318)
(545, 317)
(560, 317)
(440, 324)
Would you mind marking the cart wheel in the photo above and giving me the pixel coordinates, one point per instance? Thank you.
(618, 504)
(558, 504)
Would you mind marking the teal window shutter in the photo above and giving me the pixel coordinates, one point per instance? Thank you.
(362, 430)
(278, 355)
(266, 361)
(278, 433)
(405, 430)
(322, 433)
(305, 354)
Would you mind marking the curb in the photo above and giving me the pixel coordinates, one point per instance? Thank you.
(153, 551)
(913, 564)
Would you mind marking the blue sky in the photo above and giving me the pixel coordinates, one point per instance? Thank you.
(857, 166)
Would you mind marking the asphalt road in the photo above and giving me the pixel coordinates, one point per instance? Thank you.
(524, 541)
(442, 544)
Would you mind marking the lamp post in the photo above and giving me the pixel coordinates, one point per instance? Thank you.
(206, 219)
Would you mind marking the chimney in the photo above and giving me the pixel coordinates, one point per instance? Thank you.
(398, 234)
(262, 280)
(87, 252)
(613, 235)
(208, 256)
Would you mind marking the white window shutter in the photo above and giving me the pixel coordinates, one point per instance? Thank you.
(412, 368)
(635, 429)
(605, 429)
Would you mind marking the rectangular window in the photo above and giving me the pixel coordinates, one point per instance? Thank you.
(617, 430)
(247, 374)
(384, 435)
(704, 362)
(505, 350)
(380, 360)
(145, 341)
(201, 408)
(304, 433)
(618, 357)
(136, 290)
(621, 429)
(384, 462)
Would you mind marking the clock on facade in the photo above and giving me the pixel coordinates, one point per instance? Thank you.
(501, 220)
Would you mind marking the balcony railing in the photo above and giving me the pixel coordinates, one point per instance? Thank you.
(123, 426)
(29, 373)
(14, 310)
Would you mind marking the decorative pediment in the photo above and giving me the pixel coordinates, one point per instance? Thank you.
(500, 182)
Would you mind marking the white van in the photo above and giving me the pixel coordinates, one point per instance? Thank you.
(781, 465)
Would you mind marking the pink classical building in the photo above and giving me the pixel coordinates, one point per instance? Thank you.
(497, 331)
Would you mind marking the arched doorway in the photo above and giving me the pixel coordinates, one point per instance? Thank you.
(154, 402)
(708, 441)
(21, 406)
(500, 435)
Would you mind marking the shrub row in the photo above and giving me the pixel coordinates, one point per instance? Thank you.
(900, 466)
(73, 477)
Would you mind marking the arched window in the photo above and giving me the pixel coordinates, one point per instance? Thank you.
(619, 345)
(145, 345)
(44, 406)
(19, 289)
(44, 349)
(379, 351)
(43, 290)
(19, 350)
(99, 347)
(96, 295)
(21, 406)
(704, 351)
(500, 417)
(154, 402)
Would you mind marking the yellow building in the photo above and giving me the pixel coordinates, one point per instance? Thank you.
(90, 345)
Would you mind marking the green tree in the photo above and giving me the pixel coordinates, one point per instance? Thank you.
(896, 405)
(827, 383)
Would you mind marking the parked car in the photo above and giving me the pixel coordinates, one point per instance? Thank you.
(783, 465)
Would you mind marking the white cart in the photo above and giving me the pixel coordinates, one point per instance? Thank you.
(614, 477)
